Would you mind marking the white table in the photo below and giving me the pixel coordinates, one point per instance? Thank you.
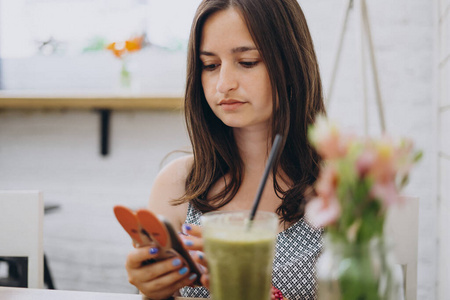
(8, 293)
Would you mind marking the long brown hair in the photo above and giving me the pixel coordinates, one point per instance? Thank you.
(281, 34)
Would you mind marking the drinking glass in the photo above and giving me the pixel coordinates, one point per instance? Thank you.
(240, 253)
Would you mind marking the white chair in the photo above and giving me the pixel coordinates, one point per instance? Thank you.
(21, 231)
(402, 226)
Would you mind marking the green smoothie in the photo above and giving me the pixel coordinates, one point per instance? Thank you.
(240, 260)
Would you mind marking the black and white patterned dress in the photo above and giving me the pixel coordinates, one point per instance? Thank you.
(296, 252)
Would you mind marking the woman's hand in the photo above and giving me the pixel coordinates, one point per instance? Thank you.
(193, 241)
(159, 279)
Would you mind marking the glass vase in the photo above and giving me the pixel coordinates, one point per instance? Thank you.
(129, 79)
(362, 271)
(125, 74)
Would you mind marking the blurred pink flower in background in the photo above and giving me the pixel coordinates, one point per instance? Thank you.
(329, 141)
(365, 162)
(321, 213)
(384, 168)
(358, 181)
(324, 209)
(386, 192)
(327, 182)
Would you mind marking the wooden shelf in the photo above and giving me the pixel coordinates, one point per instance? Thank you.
(86, 102)
(102, 103)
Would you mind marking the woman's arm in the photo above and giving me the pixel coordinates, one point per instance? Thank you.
(170, 185)
(162, 279)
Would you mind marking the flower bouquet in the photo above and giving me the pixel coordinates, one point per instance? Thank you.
(122, 50)
(358, 182)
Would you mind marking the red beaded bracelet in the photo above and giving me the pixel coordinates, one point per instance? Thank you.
(277, 293)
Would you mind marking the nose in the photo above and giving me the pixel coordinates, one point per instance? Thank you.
(227, 79)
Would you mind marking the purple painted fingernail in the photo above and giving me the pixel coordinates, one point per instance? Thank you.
(183, 271)
(188, 243)
(185, 228)
(153, 250)
(193, 276)
(176, 262)
(200, 255)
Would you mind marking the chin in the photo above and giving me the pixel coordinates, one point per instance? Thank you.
(242, 125)
(234, 124)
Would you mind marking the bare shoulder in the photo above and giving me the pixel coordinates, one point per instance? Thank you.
(170, 185)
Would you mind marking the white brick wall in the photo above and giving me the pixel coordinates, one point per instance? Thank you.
(404, 37)
(57, 152)
(442, 109)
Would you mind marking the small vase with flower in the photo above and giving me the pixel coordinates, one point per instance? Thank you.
(361, 178)
(123, 50)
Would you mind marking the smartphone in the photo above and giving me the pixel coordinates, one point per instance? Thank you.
(146, 228)
(177, 245)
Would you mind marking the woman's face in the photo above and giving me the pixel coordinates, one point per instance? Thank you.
(234, 77)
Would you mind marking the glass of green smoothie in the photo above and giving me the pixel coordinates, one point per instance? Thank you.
(240, 253)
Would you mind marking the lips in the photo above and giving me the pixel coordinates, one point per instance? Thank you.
(230, 105)
(229, 102)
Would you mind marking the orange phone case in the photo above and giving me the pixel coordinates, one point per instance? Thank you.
(145, 228)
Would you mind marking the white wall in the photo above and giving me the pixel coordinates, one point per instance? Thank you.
(442, 109)
(57, 152)
(404, 37)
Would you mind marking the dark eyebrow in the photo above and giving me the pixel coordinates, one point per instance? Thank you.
(234, 50)
(242, 49)
(207, 53)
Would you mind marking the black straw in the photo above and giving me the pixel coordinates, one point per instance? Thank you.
(273, 152)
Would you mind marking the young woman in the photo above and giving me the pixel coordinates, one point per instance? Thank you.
(252, 73)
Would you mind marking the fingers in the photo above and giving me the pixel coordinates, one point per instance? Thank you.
(158, 269)
(205, 280)
(199, 258)
(161, 278)
(191, 229)
(192, 237)
(139, 255)
(192, 243)
(164, 286)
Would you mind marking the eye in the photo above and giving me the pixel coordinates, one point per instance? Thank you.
(210, 67)
(249, 64)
